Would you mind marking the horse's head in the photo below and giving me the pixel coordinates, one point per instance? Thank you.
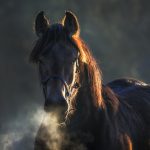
(57, 57)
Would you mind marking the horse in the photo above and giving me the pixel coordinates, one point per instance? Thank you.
(115, 116)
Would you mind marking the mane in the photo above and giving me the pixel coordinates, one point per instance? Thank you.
(94, 72)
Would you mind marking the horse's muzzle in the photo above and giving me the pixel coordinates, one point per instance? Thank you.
(51, 103)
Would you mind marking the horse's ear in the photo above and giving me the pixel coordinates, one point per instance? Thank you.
(71, 24)
(41, 24)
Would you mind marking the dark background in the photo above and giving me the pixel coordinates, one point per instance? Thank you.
(117, 31)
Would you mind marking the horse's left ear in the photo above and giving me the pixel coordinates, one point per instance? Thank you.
(71, 24)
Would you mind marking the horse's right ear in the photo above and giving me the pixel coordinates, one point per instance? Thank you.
(41, 24)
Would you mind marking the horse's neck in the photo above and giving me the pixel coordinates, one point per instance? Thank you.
(84, 100)
(84, 108)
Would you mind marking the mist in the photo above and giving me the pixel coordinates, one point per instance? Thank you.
(19, 133)
(117, 32)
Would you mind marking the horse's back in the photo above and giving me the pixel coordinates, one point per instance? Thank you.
(137, 95)
(123, 84)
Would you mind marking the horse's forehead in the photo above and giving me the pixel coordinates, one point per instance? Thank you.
(63, 48)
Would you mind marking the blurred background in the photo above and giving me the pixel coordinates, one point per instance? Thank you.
(117, 32)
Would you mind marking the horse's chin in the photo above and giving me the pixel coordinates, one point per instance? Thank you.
(57, 109)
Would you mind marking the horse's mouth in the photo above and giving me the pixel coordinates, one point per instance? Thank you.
(55, 107)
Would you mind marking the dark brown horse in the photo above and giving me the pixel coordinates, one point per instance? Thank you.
(115, 116)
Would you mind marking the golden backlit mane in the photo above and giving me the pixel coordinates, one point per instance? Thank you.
(94, 72)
